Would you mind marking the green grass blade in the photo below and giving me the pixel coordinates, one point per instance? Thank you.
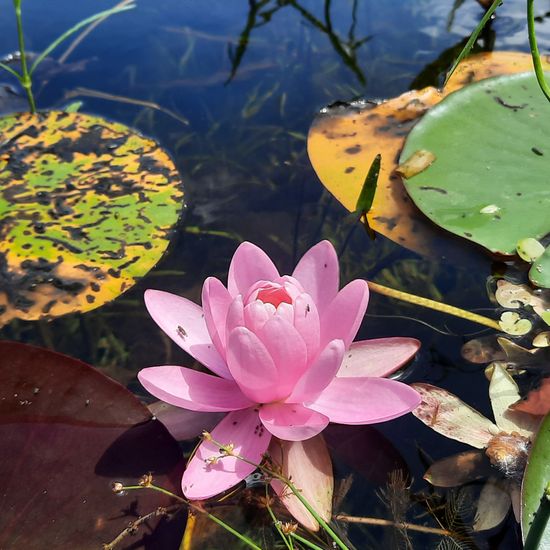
(76, 28)
(10, 70)
(471, 41)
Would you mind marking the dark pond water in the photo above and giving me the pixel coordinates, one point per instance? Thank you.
(250, 77)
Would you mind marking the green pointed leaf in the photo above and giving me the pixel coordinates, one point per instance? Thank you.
(86, 208)
(489, 182)
(535, 509)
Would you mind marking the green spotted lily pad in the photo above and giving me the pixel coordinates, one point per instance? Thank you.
(86, 208)
(489, 182)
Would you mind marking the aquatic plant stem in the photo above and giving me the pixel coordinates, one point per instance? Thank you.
(388, 522)
(471, 41)
(432, 304)
(187, 541)
(537, 64)
(228, 451)
(276, 522)
(24, 78)
(131, 529)
(305, 542)
(194, 507)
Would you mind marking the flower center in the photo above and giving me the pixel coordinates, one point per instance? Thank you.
(274, 296)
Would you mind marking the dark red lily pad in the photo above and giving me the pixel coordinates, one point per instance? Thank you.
(67, 432)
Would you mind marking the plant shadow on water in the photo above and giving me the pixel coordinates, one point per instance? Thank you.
(250, 77)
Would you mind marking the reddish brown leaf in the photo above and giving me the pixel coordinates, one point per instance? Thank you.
(537, 401)
(67, 432)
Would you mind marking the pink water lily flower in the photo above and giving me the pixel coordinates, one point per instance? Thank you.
(284, 365)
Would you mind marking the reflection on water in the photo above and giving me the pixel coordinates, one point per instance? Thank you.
(249, 77)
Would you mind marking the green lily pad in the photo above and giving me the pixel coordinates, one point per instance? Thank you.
(535, 507)
(86, 208)
(489, 182)
(539, 274)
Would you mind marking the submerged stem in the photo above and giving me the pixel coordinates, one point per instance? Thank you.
(194, 507)
(432, 304)
(390, 523)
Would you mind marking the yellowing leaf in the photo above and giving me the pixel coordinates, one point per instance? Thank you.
(87, 207)
(343, 141)
(504, 392)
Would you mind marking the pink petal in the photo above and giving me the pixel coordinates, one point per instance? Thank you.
(256, 315)
(193, 390)
(288, 351)
(182, 423)
(319, 374)
(308, 464)
(450, 416)
(183, 321)
(306, 322)
(379, 357)
(318, 273)
(243, 429)
(343, 316)
(235, 318)
(292, 421)
(252, 367)
(365, 400)
(215, 304)
(286, 312)
(249, 265)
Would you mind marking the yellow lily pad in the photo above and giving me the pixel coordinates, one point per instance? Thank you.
(343, 141)
(86, 208)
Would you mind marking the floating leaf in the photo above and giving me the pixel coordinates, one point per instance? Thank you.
(513, 296)
(450, 416)
(511, 323)
(509, 116)
(482, 350)
(542, 340)
(504, 392)
(537, 401)
(534, 513)
(459, 469)
(67, 433)
(493, 505)
(529, 249)
(86, 208)
(539, 274)
(343, 140)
